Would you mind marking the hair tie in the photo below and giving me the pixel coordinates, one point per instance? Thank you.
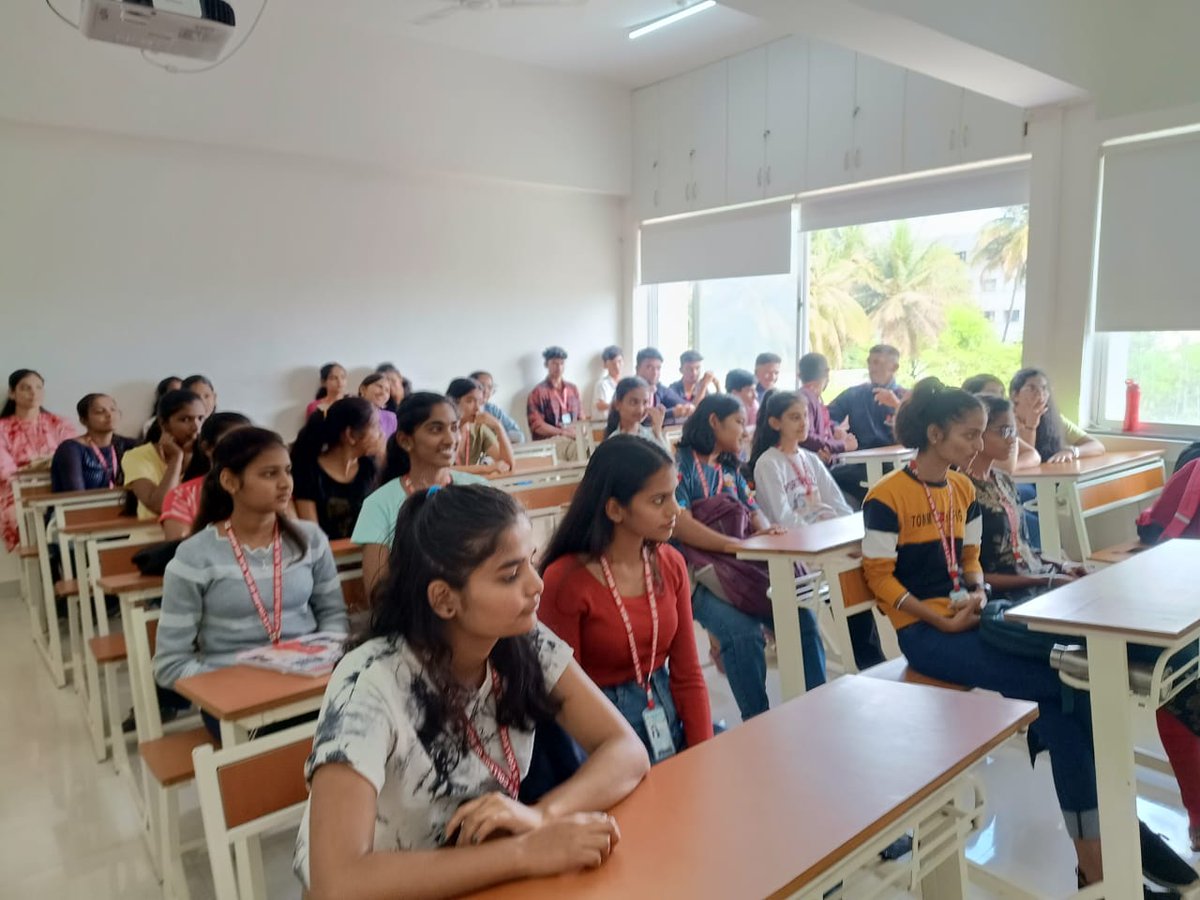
(433, 489)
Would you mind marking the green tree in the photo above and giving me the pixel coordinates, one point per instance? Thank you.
(1003, 248)
(968, 346)
(837, 322)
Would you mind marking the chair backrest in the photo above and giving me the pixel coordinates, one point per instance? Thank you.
(247, 790)
(553, 495)
(86, 515)
(1125, 487)
(141, 634)
(22, 493)
(354, 591)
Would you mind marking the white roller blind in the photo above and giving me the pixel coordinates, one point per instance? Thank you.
(1149, 237)
(1006, 185)
(755, 240)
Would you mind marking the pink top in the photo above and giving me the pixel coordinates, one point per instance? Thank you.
(21, 442)
(182, 502)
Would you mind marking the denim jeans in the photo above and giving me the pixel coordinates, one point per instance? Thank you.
(630, 700)
(743, 650)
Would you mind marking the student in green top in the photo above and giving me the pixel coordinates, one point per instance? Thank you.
(1039, 423)
(483, 445)
(420, 455)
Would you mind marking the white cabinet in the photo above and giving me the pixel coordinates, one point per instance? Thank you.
(878, 120)
(945, 125)
(647, 137)
(768, 116)
(991, 128)
(692, 159)
(831, 72)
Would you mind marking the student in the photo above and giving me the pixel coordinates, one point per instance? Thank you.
(730, 598)
(602, 396)
(426, 733)
(692, 386)
(1039, 423)
(249, 575)
(399, 387)
(613, 581)
(182, 502)
(649, 369)
(824, 438)
(332, 389)
(868, 409)
(92, 462)
(151, 470)
(483, 446)
(375, 388)
(419, 456)
(766, 373)
(202, 388)
(28, 437)
(792, 486)
(631, 409)
(1022, 454)
(170, 383)
(334, 465)
(741, 384)
(554, 407)
(507, 422)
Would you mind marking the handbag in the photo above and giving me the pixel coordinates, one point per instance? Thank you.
(1015, 638)
(153, 559)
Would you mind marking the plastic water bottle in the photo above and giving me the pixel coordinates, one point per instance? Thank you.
(1133, 403)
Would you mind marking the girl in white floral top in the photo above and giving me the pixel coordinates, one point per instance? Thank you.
(427, 728)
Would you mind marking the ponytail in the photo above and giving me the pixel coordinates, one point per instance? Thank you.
(324, 431)
(931, 403)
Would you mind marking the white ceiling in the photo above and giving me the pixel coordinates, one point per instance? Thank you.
(589, 39)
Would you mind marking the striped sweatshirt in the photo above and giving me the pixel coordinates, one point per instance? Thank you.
(902, 549)
(207, 613)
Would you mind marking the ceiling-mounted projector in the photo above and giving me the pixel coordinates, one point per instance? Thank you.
(198, 29)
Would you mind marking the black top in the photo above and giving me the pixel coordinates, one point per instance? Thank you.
(76, 467)
(337, 504)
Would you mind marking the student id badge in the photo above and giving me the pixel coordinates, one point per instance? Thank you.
(566, 418)
(659, 732)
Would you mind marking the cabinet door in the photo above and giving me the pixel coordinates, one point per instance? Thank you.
(676, 144)
(744, 172)
(878, 119)
(990, 128)
(647, 113)
(710, 104)
(932, 111)
(831, 73)
(787, 116)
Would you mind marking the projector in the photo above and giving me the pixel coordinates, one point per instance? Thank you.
(198, 29)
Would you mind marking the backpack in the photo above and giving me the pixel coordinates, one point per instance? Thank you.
(1174, 512)
(1192, 451)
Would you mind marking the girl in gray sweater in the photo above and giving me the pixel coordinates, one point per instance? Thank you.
(249, 575)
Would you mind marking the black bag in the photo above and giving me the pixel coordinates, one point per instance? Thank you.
(1192, 451)
(1015, 638)
(153, 559)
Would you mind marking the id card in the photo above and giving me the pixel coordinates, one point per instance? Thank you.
(659, 732)
(566, 418)
(959, 597)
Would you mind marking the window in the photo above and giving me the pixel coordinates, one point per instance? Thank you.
(916, 284)
(988, 284)
(1165, 365)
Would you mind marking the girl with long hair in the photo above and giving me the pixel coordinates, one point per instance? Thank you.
(93, 461)
(334, 465)
(152, 470)
(483, 445)
(182, 502)
(630, 408)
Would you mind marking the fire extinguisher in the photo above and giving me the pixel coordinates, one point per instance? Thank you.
(1133, 402)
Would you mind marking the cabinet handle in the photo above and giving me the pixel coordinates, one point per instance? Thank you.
(846, 161)
(768, 175)
(760, 176)
(966, 135)
(858, 157)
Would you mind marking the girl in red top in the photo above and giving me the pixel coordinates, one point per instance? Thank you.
(619, 595)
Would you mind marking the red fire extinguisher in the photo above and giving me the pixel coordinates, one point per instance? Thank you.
(1133, 402)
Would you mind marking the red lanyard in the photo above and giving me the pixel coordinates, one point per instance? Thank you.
(704, 478)
(408, 485)
(616, 595)
(510, 780)
(274, 628)
(1014, 523)
(805, 479)
(945, 534)
(111, 469)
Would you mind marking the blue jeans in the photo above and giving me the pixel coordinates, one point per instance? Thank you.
(630, 700)
(965, 659)
(743, 650)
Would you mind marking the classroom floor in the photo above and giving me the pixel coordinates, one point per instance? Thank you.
(68, 828)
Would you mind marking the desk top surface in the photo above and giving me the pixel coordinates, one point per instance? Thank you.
(239, 691)
(1154, 597)
(129, 582)
(734, 817)
(1092, 466)
(818, 537)
(56, 499)
(115, 523)
(894, 452)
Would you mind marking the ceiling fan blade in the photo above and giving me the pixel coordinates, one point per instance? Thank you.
(436, 16)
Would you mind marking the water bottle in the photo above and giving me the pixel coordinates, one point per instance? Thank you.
(1133, 402)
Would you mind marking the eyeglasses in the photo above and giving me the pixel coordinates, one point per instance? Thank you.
(1006, 431)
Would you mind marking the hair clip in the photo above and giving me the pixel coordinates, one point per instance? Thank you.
(433, 489)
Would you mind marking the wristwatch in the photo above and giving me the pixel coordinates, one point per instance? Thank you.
(1075, 451)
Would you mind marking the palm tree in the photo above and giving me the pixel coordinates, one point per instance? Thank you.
(1003, 247)
(836, 320)
(906, 287)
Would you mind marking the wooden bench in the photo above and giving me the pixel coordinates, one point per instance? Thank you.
(898, 669)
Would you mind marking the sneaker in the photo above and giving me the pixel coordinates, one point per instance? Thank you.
(1160, 864)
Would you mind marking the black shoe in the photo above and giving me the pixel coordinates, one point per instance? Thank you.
(1147, 892)
(897, 848)
(1160, 864)
(129, 725)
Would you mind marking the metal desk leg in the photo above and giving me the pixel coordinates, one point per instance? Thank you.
(1116, 779)
(1047, 501)
(782, 570)
(874, 472)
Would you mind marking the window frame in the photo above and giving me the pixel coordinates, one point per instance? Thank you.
(1098, 422)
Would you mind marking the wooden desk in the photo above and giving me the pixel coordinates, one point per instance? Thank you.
(875, 458)
(797, 799)
(1152, 598)
(1090, 486)
(823, 547)
(535, 476)
(244, 698)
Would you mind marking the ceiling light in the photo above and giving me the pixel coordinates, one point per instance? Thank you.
(671, 19)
